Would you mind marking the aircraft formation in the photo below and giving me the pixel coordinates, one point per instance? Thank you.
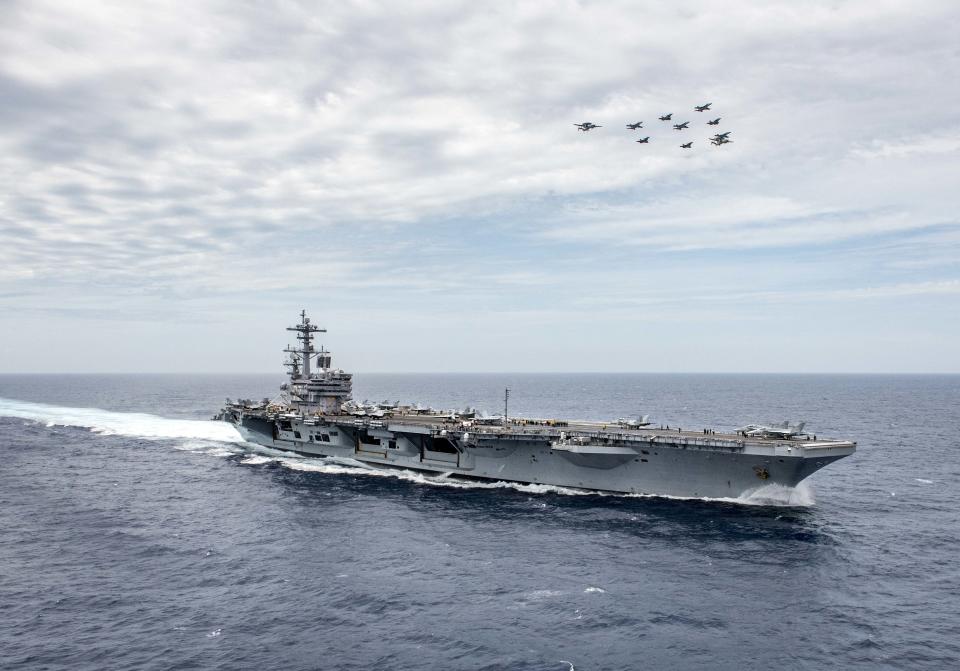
(716, 140)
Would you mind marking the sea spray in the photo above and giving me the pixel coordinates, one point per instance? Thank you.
(107, 422)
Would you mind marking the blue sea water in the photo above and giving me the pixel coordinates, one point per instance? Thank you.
(136, 534)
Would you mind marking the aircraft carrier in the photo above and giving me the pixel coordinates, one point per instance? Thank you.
(315, 416)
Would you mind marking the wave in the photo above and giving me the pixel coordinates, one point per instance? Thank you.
(106, 422)
(255, 460)
(779, 495)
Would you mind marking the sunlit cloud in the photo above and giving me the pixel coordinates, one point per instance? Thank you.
(171, 162)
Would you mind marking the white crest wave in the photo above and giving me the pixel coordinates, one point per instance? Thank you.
(107, 422)
(779, 495)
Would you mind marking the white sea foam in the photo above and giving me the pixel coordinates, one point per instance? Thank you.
(924, 481)
(220, 452)
(255, 460)
(193, 445)
(595, 590)
(107, 422)
(779, 495)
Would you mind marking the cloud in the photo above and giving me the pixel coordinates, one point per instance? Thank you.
(744, 222)
(775, 298)
(162, 159)
(947, 142)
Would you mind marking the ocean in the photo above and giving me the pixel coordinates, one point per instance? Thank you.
(137, 534)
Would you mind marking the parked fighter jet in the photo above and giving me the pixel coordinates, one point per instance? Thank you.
(703, 108)
(644, 140)
(687, 145)
(715, 122)
(666, 117)
(488, 419)
(586, 125)
(365, 409)
(681, 126)
(634, 423)
(635, 126)
(783, 430)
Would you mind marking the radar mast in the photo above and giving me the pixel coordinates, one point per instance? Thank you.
(320, 392)
(303, 355)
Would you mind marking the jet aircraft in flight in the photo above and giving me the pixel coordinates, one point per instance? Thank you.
(681, 126)
(635, 126)
(666, 117)
(720, 138)
(703, 108)
(586, 125)
(644, 140)
(687, 145)
(715, 122)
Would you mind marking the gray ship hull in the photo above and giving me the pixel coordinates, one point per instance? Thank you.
(641, 461)
(316, 417)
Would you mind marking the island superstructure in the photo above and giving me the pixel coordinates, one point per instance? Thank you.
(316, 417)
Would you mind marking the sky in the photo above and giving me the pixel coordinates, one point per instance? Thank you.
(178, 180)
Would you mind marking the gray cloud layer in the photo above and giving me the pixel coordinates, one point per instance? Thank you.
(163, 161)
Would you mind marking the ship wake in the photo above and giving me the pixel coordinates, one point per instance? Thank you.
(106, 422)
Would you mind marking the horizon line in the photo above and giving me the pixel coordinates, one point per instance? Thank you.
(468, 372)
